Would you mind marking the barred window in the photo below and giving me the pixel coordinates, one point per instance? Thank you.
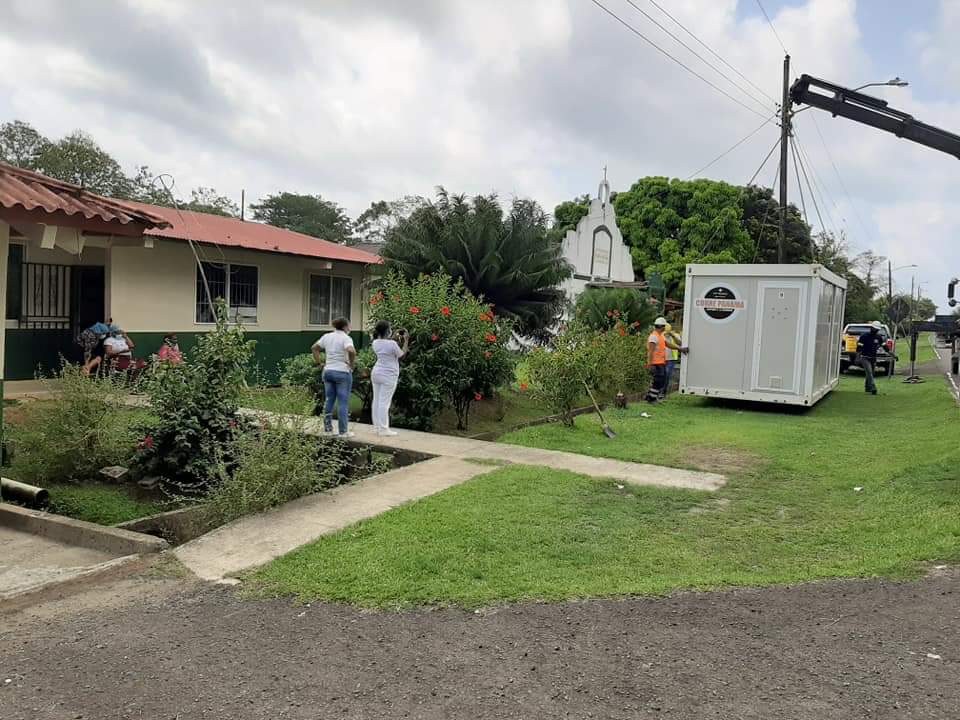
(329, 299)
(237, 284)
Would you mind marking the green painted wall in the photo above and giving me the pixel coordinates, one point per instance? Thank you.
(26, 349)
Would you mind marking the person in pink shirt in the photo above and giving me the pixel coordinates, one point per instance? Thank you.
(170, 350)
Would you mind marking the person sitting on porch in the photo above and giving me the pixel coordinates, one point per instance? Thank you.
(91, 340)
(170, 350)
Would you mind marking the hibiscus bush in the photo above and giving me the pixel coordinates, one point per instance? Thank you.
(607, 308)
(458, 352)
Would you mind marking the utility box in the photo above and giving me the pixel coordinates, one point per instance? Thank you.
(768, 333)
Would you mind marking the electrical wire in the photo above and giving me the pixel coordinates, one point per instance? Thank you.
(759, 169)
(733, 147)
(770, 23)
(712, 51)
(700, 57)
(817, 185)
(810, 188)
(659, 49)
(843, 185)
(766, 214)
(796, 169)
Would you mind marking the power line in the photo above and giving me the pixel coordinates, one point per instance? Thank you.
(813, 197)
(766, 214)
(759, 169)
(706, 62)
(733, 147)
(818, 185)
(796, 169)
(711, 50)
(659, 49)
(843, 185)
(770, 23)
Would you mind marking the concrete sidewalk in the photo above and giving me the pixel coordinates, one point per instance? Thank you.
(257, 539)
(434, 445)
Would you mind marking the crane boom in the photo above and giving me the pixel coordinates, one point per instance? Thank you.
(872, 111)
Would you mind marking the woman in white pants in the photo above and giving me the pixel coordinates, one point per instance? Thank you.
(386, 373)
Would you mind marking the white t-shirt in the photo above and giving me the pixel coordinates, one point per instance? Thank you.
(388, 354)
(335, 345)
(116, 345)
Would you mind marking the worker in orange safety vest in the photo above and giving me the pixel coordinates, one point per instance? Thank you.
(658, 347)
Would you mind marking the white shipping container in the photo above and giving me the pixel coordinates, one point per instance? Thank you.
(769, 333)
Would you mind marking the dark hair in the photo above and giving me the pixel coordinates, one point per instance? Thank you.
(381, 329)
(341, 324)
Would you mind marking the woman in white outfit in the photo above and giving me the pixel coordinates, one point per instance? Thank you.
(386, 373)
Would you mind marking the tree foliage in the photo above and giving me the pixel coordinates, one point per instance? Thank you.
(307, 214)
(761, 220)
(78, 159)
(21, 145)
(207, 200)
(603, 308)
(567, 214)
(670, 223)
(375, 223)
(505, 258)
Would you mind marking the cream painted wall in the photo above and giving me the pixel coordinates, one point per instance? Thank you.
(154, 290)
(57, 256)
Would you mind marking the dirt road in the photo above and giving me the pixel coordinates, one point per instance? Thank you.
(174, 649)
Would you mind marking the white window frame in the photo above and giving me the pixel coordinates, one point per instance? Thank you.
(331, 277)
(228, 264)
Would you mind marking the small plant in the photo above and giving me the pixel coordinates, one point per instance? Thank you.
(558, 373)
(196, 402)
(607, 308)
(84, 428)
(458, 347)
(302, 371)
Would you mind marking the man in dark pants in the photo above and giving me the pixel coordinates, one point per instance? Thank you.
(867, 345)
(658, 348)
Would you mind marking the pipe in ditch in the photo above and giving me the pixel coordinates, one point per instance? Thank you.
(30, 495)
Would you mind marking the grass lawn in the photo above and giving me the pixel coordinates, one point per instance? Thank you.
(789, 512)
(925, 351)
(100, 503)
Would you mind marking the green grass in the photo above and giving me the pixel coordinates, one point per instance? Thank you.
(789, 512)
(100, 503)
(925, 351)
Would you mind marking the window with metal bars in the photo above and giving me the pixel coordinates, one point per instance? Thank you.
(239, 285)
(329, 299)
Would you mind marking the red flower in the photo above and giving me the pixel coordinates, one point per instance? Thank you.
(434, 337)
(445, 310)
(490, 338)
(488, 354)
(636, 324)
(477, 396)
(485, 317)
(523, 387)
(622, 331)
(414, 310)
(376, 298)
(146, 443)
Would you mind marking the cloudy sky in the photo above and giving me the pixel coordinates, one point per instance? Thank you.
(361, 100)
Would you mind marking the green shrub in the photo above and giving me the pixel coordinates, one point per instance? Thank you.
(557, 374)
(458, 350)
(603, 308)
(267, 468)
(622, 361)
(84, 428)
(196, 402)
(302, 371)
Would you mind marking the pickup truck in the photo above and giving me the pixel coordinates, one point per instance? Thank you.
(886, 359)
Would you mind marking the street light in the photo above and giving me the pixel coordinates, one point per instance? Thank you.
(890, 272)
(893, 82)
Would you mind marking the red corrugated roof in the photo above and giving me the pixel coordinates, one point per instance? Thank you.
(231, 232)
(29, 191)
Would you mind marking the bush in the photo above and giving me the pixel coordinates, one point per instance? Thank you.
(558, 373)
(196, 403)
(458, 350)
(604, 308)
(622, 361)
(85, 428)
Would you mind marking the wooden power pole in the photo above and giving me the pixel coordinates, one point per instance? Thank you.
(784, 141)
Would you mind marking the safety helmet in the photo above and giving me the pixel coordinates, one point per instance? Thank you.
(660, 322)
(876, 325)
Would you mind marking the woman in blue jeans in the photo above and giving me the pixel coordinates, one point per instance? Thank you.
(336, 353)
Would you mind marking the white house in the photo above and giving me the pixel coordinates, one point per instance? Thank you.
(596, 248)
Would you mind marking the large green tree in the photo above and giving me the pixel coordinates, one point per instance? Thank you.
(508, 258)
(669, 223)
(375, 223)
(78, 159)
(21, 144)
(307, 214)
(761, 220)
(567, 214)
(207, 200)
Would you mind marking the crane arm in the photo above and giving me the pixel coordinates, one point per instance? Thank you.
(871, 111)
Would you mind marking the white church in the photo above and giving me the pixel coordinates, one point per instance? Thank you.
(596, 249)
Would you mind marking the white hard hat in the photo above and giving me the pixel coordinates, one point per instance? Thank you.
(876, 325)
(660, 321)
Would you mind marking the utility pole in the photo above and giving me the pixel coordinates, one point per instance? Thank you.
(889, 283)
(784, 141)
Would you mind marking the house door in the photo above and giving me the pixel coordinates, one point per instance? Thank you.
(88, 297)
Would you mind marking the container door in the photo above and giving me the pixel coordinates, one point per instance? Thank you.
(777, 361)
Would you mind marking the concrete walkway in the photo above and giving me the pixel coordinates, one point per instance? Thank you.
(433, 445)
(257, 539)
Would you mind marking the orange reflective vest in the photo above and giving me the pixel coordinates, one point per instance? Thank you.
(659, 356)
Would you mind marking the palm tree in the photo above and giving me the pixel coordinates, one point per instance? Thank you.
(508, 259)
